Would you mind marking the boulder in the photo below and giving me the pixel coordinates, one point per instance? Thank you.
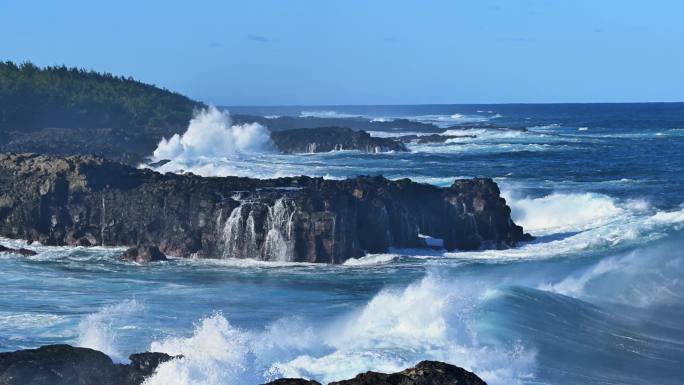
(68, 365)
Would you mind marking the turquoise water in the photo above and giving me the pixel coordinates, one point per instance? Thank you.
(598, 298)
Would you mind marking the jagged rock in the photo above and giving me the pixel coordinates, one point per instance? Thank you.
(87, 200)
(20, 251)
(143, 254)
(68, 365)
(325, 139)
(425, 373)
(293, 381)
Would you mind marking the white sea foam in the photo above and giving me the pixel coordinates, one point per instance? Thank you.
(430, 319)
(327, 114)
(99, 330)
(563, 212)
(571, 224)
(371, 259)
(211, 134)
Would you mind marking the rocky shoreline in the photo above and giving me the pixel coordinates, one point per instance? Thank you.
(88, 201)
(68, 365)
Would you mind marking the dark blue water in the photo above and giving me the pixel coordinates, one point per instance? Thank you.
(597, 299)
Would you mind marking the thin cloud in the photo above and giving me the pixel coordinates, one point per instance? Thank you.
(260, 38)
(517, 39)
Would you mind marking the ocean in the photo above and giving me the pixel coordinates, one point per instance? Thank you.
(597, 298)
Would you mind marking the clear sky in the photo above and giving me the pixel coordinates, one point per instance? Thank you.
(288, 52)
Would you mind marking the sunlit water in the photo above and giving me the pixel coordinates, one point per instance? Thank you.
(598, 298)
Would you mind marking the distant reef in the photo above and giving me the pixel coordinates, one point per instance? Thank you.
(68, 365)
(87, 201)
(325, 139)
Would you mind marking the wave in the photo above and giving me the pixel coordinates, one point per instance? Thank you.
(560, 212)
(430, 319)
(575, 224)
(327, 114)
(99, 330)
(643, 277)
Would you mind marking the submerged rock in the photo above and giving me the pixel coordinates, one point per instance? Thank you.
(20, 251)
(68, 365)
(326, 139)
(86, 200)
(143, 254)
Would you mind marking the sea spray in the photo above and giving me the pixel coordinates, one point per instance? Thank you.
(99, 330)
(211, 134)
(430, 319)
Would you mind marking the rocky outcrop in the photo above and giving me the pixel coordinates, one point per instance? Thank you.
(326, 139)
(68, 365)
(86, 200)
(425, 373)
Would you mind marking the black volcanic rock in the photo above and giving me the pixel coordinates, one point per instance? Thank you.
(143, 254)
(425, 373)
(20, 251)
(325, 139)
(293, 381)
(86, 200)
(68, 365)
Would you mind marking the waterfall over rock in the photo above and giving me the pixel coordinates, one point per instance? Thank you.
(244, 230)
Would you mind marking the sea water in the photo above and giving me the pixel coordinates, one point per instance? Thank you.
(597, 298)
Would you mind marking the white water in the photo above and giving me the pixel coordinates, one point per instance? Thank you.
(396, 329)
(211, 134)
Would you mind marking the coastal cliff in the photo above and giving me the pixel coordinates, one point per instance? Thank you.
(87, 201)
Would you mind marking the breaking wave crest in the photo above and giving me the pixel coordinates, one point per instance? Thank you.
(99, 330)
(430, 319)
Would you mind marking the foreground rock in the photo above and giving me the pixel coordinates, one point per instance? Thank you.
(86, 200)
(425, 373)
(68, 365)
(326, 139)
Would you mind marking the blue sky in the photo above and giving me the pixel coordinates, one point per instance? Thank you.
(365, 52)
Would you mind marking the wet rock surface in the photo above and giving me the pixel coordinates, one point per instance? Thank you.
(143, 254)
(326, 139)
(424, 373)
(87, 201)
(20, 251)
(68, 365)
